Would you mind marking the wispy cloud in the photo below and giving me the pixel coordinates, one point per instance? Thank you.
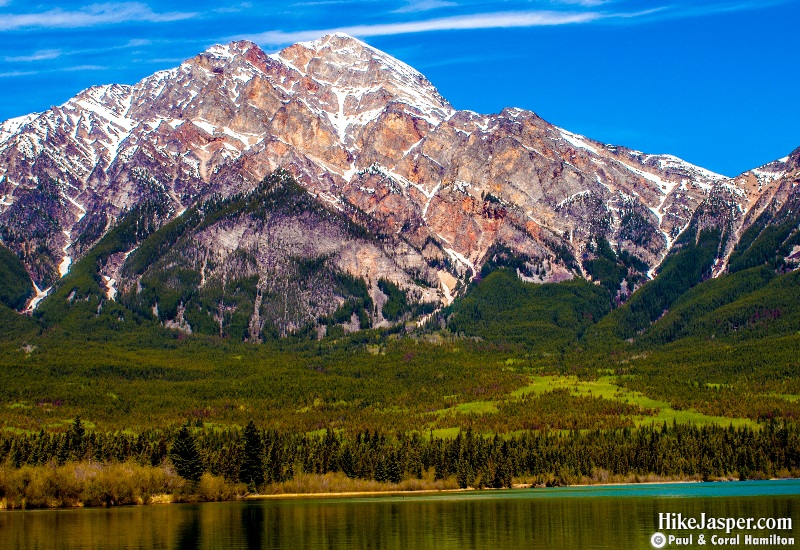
(710, 8)
(71, 69)
(44, 55)
(136, 43)
(460, 22)
(13, 74)
(312, 3)
(583, 3)
(638, 14)
(90, 16)
(234, 8)
(84, 68)
(684, 11)
(413, 6)
(162, 60)
(39, 55)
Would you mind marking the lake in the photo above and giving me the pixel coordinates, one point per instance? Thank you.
(613, 517)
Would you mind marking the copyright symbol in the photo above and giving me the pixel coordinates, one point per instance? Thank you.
(658, 540)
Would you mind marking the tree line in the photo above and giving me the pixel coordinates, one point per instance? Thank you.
(259, 457)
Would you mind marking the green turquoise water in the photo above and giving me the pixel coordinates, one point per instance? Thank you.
(615, 517)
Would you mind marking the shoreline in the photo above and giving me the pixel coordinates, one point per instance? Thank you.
(162, 499)
(470, 490)
(192, 498)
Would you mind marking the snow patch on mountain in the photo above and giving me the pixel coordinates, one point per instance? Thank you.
(577, 141)
(673, 163)
(12, 126)
(460, 258)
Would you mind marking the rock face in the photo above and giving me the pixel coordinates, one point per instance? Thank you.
(370, 139)
(272, 261)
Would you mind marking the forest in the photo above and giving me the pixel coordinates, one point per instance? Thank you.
(193, 463)
(687, 377)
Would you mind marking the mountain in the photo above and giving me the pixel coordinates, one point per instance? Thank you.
(403, 200)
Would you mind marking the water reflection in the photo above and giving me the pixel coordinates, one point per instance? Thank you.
(499, 520)
(189, 532)
(253, 526)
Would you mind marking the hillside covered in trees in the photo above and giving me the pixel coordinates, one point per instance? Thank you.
(687, 377)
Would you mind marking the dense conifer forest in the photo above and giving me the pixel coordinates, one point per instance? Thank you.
(688, 377)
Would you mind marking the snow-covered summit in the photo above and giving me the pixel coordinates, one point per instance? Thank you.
(330, 111)
(362, 77)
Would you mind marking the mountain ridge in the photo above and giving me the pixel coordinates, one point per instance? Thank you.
(369, 137)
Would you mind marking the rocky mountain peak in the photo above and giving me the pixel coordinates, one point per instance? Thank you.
(370, 138)
(363, 78)
(231, 50)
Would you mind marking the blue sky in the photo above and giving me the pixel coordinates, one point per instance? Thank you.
(714, 82)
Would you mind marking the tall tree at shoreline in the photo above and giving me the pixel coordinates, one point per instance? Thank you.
(186, 457)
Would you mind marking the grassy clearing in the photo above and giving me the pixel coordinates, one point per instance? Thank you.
(788, 397)
(606, 388)
(471, 407)
(445, 433)
(654, 411)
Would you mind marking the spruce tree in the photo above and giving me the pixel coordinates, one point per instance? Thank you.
(186, 457)
(251, 471)
(348, 463)
(394, 470)
(76, 439)
(382, 469)
(465, 475)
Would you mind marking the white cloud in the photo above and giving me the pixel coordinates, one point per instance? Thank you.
(710, 8)
(72, 69)
(39, 55)
(460, 22)
(84, 68)
(12, 74)
(413, 6)
(136, 43)
(89, 16)
(583, 3)
(162, 60)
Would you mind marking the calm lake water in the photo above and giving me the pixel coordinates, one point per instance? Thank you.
(618, 517)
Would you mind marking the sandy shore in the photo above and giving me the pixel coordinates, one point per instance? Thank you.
(357, 494)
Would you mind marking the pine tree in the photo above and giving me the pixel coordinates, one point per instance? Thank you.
(76, 439)
(382, 469)
(186, 457)
(465, 475)
(252, 468)
(348, 463)
(394, 471)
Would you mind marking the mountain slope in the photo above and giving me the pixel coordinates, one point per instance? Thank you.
(369, 138)
(264, 263)
(271, 261)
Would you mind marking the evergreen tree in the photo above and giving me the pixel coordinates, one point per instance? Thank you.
(394, 470)
(76, 440)
(348, 465)
(275, 461)
(382, 469)
(186, 457)
(252, 468)
(503, 471)
(465, 475)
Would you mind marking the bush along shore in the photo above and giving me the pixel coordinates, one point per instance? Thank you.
(77, 467)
